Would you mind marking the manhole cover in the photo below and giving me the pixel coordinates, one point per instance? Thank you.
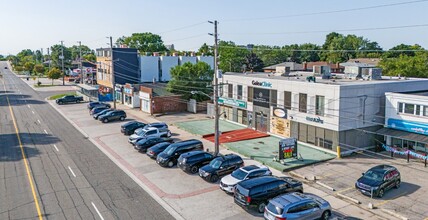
(261, 142)
(256, 148)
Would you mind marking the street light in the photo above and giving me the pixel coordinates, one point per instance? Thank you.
(201, 93)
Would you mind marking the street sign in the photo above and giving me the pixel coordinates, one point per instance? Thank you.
(89, 70)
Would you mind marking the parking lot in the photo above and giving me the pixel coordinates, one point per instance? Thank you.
(341, 174)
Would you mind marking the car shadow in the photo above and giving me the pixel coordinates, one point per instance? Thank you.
(18, 100)
(405, 189)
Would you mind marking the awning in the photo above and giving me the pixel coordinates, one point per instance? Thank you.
(403, 135)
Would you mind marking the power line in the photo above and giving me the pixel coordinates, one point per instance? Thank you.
(318, 50)
(182, 28)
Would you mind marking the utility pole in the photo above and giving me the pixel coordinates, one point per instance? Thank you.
(113, 81)
(80, 62)
(216, 107)
(62, 63)
(41, 58)
(49, 57)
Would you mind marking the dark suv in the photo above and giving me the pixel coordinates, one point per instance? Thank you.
(130, 127)
(171, 154)
(191, 161)
(255, 193)
(378, 179)
(113, 115)
(156, 149)
(220, 166)
(143, 144)
(92, 105)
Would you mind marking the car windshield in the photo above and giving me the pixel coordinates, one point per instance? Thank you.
(104, 111)
(239, 174)
(215, 164)
(170, 150)
(376, 176)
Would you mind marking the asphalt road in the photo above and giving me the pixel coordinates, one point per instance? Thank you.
(68, 177)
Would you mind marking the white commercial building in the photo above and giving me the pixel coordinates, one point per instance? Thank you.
(323, 112)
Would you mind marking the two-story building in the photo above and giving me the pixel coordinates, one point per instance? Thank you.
(323, 112)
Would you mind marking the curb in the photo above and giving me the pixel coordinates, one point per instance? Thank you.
(348, 198)
(390, 212)
(325, 186)
(157, 198)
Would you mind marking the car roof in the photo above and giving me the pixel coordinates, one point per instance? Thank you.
(250, 183)
(193, 153)
(253, 167)
(161, 144)
(149, 129)
(191, 141)
(157, 123)
(290, 199)
(382, 168)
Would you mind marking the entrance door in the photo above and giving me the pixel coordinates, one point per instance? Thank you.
(261, 122)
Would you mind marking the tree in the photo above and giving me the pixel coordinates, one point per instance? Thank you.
(309, 52)
(56, 53)
(75, 51)
(206, 50)
(191, 77)
(402, 49)
(29, 66)
(90, 57)
(253, 63)
(143, 42)
(54, 73)
(231, 56)
(270, 55)
(38, 69)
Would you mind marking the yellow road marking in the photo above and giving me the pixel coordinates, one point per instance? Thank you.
(389, 200)
(344, 190)
(30, 178)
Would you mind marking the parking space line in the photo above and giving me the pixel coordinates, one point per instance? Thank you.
(45, 132)
(344, 190)
(98, 212)
(56, 148)
(28, 106)
(71, 171)
(389, 200)
(38, 121)
(33, 112)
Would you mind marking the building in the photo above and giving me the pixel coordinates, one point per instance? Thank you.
(370, 61)
(285, 67)
(323, 112)
(334, 67)
(155, 99)
(406, 121)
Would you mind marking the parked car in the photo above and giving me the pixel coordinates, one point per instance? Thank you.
(103, 112)
(220, 166)
(255, 193)
(143, 144)
(171, 154)
(129, 127)
(192, 161)
(113, 115)
(162, 126)
(229, 182)
(377, 180)
(92, 105)
(147, 132)
(297, 206)
(97, 110)
(153, 151)
(69, 99)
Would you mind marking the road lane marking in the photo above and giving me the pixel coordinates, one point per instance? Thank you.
(33, 112)
(101, 217)
(24, 157)
(71, 171)
(39, 121)
(45, 131)
(56, 148)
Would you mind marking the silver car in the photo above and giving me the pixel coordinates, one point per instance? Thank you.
(293, 206)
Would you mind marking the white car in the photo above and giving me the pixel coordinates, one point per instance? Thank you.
(147, 132)
(229, 182)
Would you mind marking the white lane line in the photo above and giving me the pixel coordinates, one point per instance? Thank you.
(71, 171)
(101, 217)
(56, 148)
(33, 112)
(39, 121)
(28, 106)
(46, 132)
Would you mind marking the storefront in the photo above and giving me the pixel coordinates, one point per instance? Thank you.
(119, 93)
(234, 110)
(145, 102)
(130, 96)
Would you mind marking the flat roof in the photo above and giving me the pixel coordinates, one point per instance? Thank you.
(337, 79)
(419, 93)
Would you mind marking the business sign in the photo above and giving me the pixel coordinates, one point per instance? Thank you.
(128, 91)
(315, 119)
(280, 126)
(280, 112)
(261, 97)
(232, 102)
(262, 84)
(287, 148)
(409, 126)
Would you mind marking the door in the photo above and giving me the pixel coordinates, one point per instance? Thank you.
(224, 168)
(261, 122)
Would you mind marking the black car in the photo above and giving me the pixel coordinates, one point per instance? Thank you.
(378, 179)
(192, 161)
(92, 105)
(171, 154)
(97, 110)
(153, 151)
(103, 112)
(255, 193)
(113, 115)
(220, 166)
(145, 143)
(129, 127)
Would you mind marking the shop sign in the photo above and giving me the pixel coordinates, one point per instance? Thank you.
(409, 126)
(280, 112)
(128, 91)
(262, 84)
(315, 119)
(118, 88)
(280, 126)
(287, 148)
(232, 102)
(144, 95)
(261, 97)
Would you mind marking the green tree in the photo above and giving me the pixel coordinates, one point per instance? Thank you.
(90, 57)
(406, 66)
(309, 52)
(253, 63)
(29, 66)
(38, 70)
(191, 77)
(75, 51)
(402, 49)
(143, 42)
(56, 53)
(231, 56)
(54, 73)
(206, 50)
(270, 55)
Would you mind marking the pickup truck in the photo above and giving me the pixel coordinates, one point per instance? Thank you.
(69, 99)
(148, 132)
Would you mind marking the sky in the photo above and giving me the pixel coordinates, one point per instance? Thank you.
(29, 24)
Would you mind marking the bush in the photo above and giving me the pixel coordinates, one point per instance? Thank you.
(39, 83)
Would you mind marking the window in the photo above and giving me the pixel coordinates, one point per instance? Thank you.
(239, 92)
(418, 110)
(425, 113)
(400, 107)
(303, 102)
(319, 105)
(250, 94)
(409, 108)
(287, 100)
(273, 97)
(230, 91)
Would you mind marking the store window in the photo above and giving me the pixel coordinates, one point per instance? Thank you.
(409, 144)
(425, 113)
(273, 97)
(239, 92)
(319, 137)
(319, 105)
(409, 108)
(421, 147)
(397, 143)
(303, 102)
(311, 134)
(418, 110)
(303, 132)
(287, 100)
(250, 90)
(400, 107)
(328, 139)
(230, 90)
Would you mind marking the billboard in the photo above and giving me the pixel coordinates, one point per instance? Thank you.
(287, 148)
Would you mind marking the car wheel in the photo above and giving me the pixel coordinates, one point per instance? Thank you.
(105, 120)
(122, 118)
(380, 194)
(261, 207)
(60, 103)
(325, 215)
(170, 164)
(397, 184)
(214, 178)
(194, 169)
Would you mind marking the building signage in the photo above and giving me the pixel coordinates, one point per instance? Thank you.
(280, 112)
(232, 102)
(261, 97)
(315, 119)
(409, 126)
(280, 126)
(287, 148)
(262, 84)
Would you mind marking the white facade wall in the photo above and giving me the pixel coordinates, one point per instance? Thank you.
(167, 62)
(149, 67)
(184, 59)
(391, 107)
(207, 59)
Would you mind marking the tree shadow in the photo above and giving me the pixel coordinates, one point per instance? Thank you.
(19, 99)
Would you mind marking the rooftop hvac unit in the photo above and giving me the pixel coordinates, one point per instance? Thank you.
(371, 73)
(324, 71)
